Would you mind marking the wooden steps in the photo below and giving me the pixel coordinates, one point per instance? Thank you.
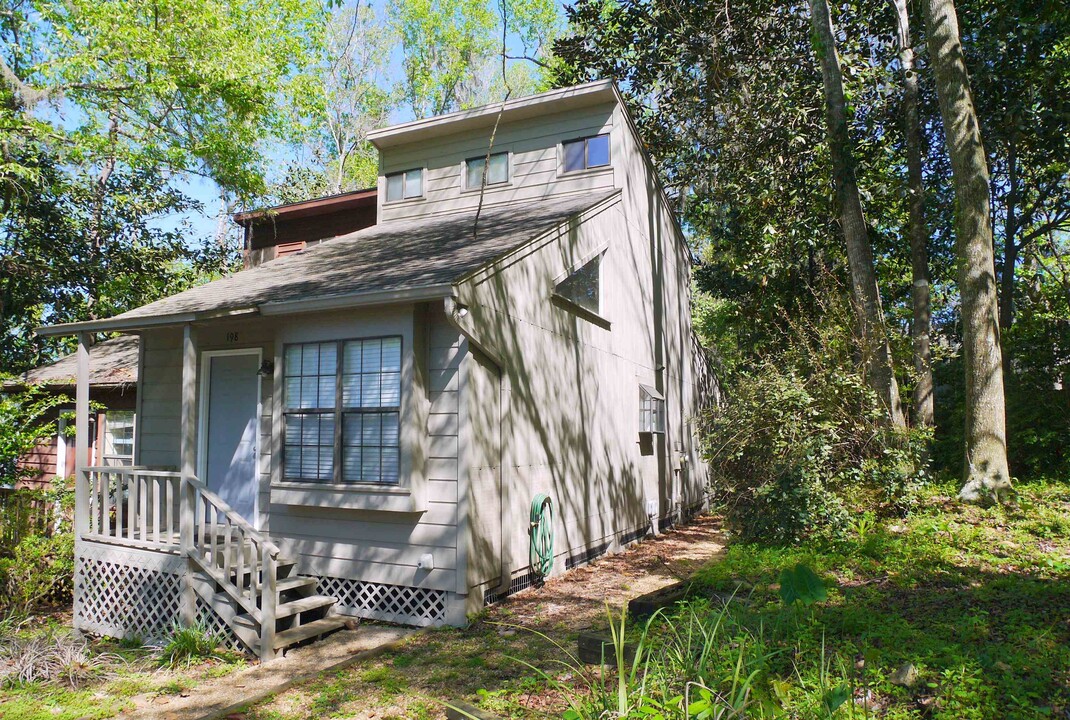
(305, 604)
(315, 629)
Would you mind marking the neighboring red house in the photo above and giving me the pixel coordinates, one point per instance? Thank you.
(112, 389)
(286, 229)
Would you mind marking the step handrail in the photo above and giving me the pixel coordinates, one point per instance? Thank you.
(266, 552)
(233, 515)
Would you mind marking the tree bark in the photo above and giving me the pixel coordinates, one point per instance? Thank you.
(986, 475)
(1010, 240)
(919, 236)
(869, 315)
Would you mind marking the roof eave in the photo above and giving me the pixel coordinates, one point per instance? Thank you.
(361, 299)
(579, 95)
(291, 307)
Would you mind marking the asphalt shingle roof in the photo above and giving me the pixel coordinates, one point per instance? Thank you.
(114, 362)
(392, 256)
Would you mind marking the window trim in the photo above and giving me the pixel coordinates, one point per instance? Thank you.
(107, 425)
(339, 412)
(561, 170)
(598, 318)
(403, 198)
(658, 409)
(504, 183)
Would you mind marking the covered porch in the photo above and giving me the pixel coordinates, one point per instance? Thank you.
(155, 546)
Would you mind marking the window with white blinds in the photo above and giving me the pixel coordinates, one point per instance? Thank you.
(342, 403)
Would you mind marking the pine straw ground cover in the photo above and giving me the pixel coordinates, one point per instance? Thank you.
(969, 606)
(49, 673)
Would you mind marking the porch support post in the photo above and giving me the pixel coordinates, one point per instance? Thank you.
(81, 461)
(187, 458)
(81, 438)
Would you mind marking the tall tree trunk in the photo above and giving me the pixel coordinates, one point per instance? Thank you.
(986, 473)
(1010, 239)
(919, 236)
(866, 298)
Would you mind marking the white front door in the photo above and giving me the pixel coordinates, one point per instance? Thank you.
(230, 428)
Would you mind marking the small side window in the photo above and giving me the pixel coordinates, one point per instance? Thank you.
(405, 185)
(583, 287)
(651, 410)
(585, 153)
(497, 171)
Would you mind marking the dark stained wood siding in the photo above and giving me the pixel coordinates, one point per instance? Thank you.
(263, 235)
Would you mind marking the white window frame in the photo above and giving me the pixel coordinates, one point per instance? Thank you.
(503, 183)
(339, 412)
(404, 173)
(657, 410)
(104, 438)
(562, 170)
(61, 445)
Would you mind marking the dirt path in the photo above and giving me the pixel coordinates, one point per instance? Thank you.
(490, 662)
(578, 598)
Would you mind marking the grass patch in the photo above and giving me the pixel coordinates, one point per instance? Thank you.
(973, 599)
(965, 595)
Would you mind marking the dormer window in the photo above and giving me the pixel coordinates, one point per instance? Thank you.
(586, 153)
(582, 287)
(497, 170)
(405, 185)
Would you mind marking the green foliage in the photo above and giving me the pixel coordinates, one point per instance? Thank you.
(963, 594)
(801, 442)
(24, 423)
(105, 111)
(178, 85)
(696, 663)
(185, 645)
(1035, 379)
(801, 585)
(40, 572)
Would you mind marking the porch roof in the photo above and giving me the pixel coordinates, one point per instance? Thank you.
(401, 260)
(115, 364)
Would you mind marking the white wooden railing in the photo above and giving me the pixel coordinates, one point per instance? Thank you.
(133, 506)
(164, 510)
(226, 546)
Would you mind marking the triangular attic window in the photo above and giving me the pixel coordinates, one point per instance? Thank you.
(583, 286)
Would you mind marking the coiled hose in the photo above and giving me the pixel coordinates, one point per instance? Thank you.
(541, 551)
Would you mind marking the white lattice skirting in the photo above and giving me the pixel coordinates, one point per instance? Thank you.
(391, 603)
(125, 593)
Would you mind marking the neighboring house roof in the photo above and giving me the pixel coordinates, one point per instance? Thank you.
(398, 259)
(310, 208)
(114, 364)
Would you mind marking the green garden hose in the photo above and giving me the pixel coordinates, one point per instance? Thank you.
(541, 552)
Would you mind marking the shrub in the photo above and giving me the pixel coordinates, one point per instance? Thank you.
(41, 571)
(24, 424)
(802, 442)
(792, 455)
(186, 644)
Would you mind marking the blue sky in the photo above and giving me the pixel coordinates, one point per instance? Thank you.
(201, 226)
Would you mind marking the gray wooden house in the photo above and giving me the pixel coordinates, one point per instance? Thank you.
(361, 427)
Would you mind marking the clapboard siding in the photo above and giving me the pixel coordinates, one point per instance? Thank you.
(534, 164)
(533, 136)
(160, 391)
